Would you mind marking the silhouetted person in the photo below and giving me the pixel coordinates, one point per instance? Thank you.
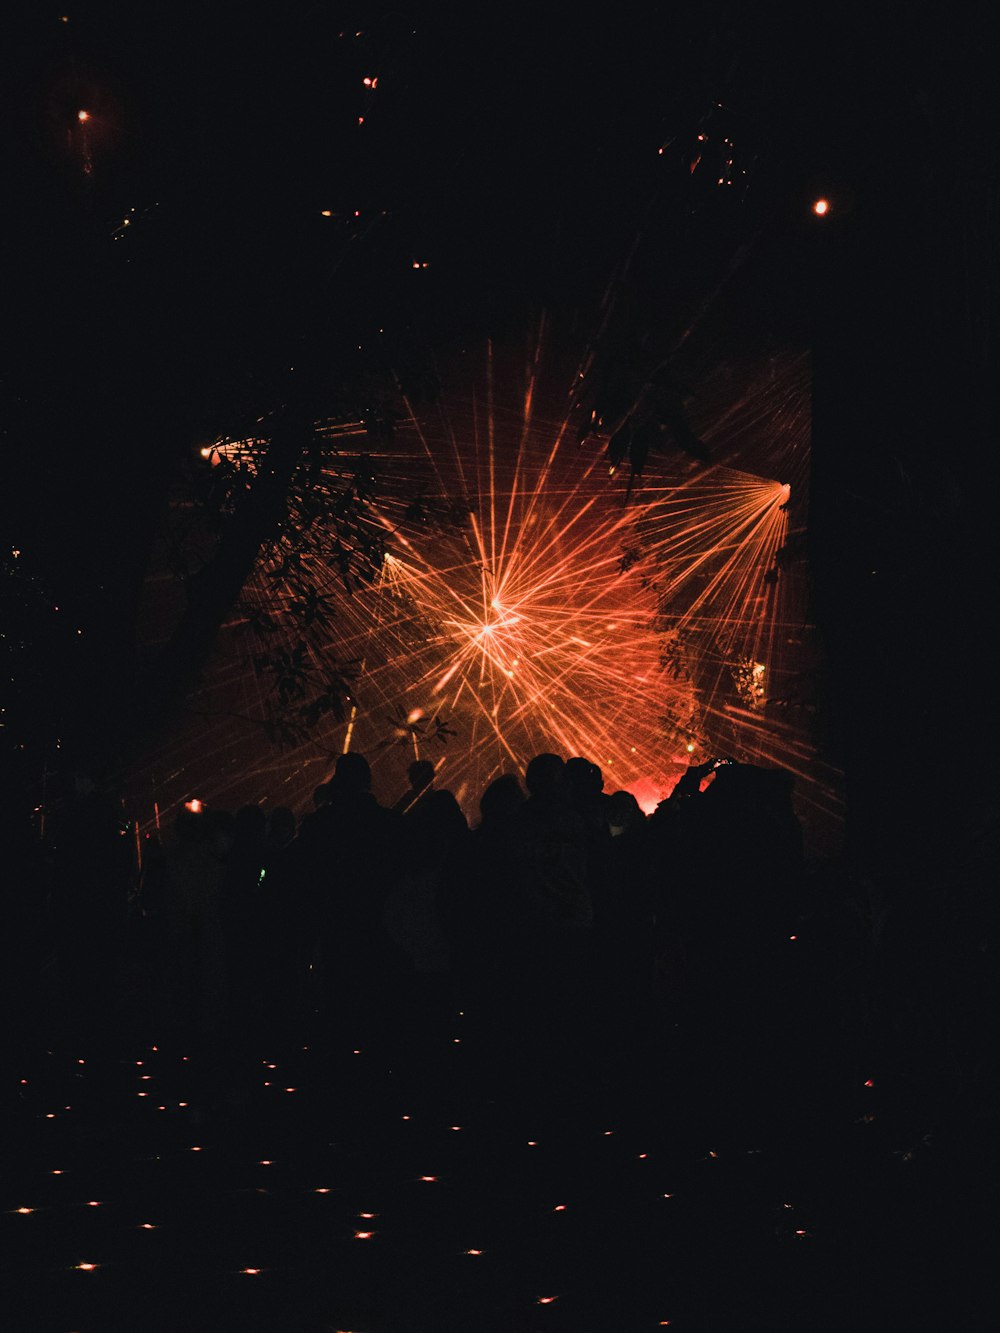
(484, 915)
(737, 857)
(416, 918)
(196, 981)
(585, 791)
(624, 921)
(585, 786)
(281, 829)
(284, 952)
(420, 775)
(499, 802)
(550, 872)
(351, 856)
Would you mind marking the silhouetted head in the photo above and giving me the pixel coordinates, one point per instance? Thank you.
(420, 774)
(249, 823)
(352, 773)
(500, 799)
(220, 826)
(583, 777)
(281, 824)
(623, 812)
(440, 811)
(545, 775)
(434, 828)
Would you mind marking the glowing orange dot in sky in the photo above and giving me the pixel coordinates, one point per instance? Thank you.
(83, 116)
(821, 207)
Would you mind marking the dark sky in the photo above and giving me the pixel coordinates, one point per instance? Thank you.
(504, 147)
(513, 150)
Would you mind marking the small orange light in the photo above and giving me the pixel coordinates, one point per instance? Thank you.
(821, 207)
(83, 116)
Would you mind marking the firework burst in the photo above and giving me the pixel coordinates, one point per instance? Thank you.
(524, 599)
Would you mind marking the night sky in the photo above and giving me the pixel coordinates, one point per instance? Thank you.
(517, 154)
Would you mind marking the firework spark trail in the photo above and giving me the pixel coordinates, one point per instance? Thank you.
(641, 635)
(527, 597)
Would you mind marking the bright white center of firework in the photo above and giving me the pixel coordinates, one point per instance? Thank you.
(500, 621)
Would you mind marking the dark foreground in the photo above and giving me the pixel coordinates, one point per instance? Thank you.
(312, 1185)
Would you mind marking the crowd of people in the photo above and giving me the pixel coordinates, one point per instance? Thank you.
(563, 923)
(571, 931)
(682, 979)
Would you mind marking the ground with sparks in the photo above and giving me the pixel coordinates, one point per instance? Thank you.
(312, 1187)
